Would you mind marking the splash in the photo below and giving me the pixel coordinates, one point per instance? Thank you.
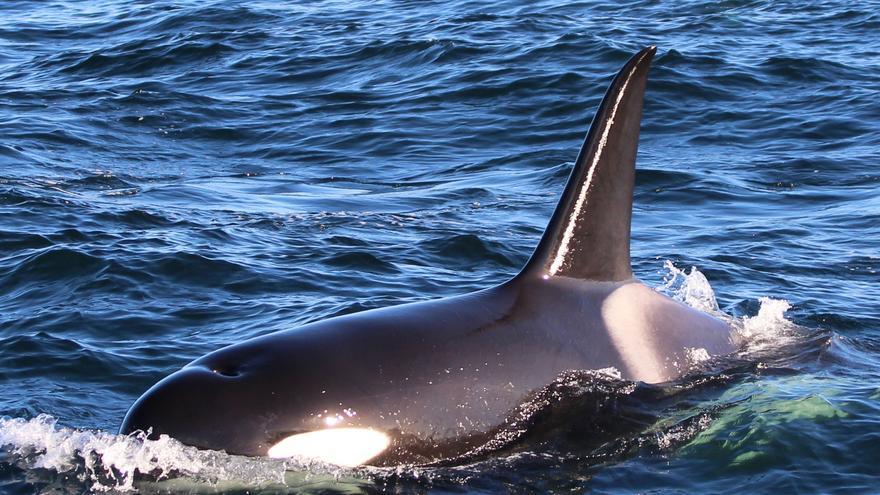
(690, 288)
(107, 462)
(768, 328)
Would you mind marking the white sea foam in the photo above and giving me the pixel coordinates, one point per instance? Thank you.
(108, 462)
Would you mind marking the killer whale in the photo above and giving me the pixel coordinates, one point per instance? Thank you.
(428, 381)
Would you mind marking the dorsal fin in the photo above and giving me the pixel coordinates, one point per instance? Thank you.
(588, 235)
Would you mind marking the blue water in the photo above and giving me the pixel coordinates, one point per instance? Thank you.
(178, 176)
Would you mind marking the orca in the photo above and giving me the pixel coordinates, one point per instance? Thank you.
(425, 382)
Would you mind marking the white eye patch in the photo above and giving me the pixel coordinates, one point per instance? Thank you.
(341, 446)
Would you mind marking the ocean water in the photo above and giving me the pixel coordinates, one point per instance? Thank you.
(178, 176)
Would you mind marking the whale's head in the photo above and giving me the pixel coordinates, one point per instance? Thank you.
(193, 406)
(244, 411)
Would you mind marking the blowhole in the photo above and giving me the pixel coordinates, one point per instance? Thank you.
(227, 372)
